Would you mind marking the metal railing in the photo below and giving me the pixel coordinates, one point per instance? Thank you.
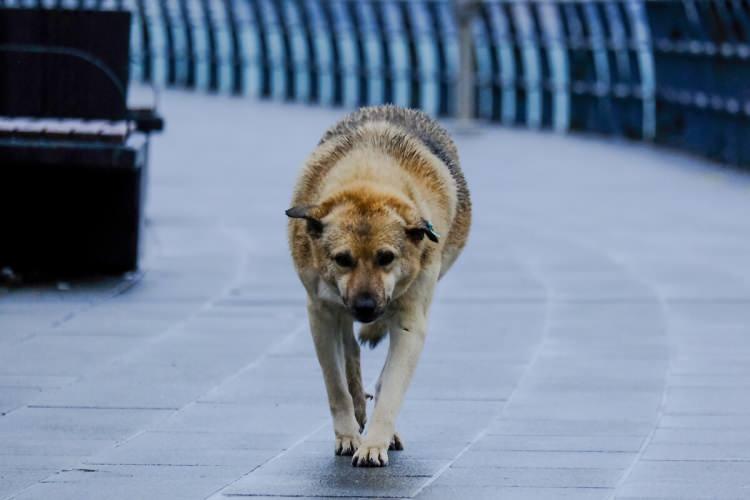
(702, 60)
(672, 71)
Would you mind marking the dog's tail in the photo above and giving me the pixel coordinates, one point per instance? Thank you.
(372, 333)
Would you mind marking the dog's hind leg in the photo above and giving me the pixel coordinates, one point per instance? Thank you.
(354, 376)
(372, 333)
(328, 327)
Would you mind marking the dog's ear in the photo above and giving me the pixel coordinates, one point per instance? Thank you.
(422, 229)
(314, 225)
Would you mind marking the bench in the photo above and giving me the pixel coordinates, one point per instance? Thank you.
(73, 149)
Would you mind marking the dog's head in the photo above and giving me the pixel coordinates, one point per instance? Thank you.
(367, 247)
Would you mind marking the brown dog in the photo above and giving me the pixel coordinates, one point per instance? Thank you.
(380, 212)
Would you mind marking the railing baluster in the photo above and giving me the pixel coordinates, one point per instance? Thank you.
(557, 81)
(445, 28)
(504, 80)
(484, 66)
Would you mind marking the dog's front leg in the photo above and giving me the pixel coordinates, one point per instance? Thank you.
(407, 334)
(327, 327)
(407, 339)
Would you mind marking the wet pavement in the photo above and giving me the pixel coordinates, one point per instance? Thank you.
(593, 342)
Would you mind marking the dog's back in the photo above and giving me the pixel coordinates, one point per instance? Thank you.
(436, 139)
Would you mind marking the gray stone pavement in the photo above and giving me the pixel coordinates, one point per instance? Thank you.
(592, 343)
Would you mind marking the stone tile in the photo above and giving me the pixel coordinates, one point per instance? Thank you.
(701, 436)
(689, 480)
(132, 482)
(33, 381)
(334, 478)
(544, 459)
(565, 427)
(531, 477)
(692, 472)
(587, 405)
(12, 398)
(47, 449)
(683, 421)
(13, 480)
(447, 491)
(66, 423)
(609, 444)
(194, 449)
(270, 417)
(697, 451)
(58, 356)
(713, 400)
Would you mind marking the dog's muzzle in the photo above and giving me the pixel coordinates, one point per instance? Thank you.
(365, 308)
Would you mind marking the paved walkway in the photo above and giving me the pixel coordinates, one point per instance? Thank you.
(593, 342)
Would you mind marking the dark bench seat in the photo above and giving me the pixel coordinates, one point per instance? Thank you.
(73, 144)
(64, 129)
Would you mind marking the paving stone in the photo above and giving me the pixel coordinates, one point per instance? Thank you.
(446, 492)
(720, 400)
(13, 480)
(33, 381)
(46, 449)
(15, 397)
(715, 421)
(702, 436)
(564, 427)
(338, 480)
(707, 451)
(64, 423)
(57, 356)
(688, 479)
(128, 482)
(696, 473)
(531, 477)
(544, 459)
(147, 449)
(269, 417)
(583, 443)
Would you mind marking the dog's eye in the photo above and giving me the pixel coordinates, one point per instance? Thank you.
(344, 259)
(385, 257)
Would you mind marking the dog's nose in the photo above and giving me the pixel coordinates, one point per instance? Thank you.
(364, 308)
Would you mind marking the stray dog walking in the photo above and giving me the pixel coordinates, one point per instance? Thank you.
(380, 212)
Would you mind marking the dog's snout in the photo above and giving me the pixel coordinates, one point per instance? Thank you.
(364, 304)
(365, 308)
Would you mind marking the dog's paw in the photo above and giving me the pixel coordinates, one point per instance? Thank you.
(396, 443)
(370, 456)
(347, 445)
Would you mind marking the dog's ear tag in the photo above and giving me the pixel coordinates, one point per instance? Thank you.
(430, 231)
(425, 227)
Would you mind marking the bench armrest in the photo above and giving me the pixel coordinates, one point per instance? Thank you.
(142, 104)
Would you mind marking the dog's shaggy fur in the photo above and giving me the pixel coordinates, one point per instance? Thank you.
(380, 212)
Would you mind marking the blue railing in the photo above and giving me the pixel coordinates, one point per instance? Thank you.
(702, 62)
(672, 71)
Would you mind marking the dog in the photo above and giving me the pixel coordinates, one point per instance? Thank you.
(380, 212)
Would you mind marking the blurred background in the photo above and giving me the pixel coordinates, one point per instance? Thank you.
(669, 71)
(592, 342)
(585, 66)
